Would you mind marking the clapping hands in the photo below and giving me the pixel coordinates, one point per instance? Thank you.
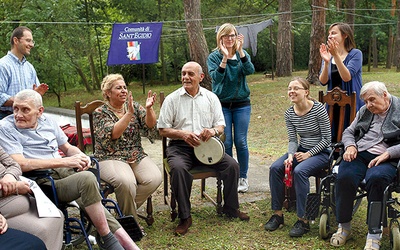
(41, 89)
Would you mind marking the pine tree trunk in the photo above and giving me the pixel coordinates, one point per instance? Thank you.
(197, 41)
(316, 38)
(283, 45)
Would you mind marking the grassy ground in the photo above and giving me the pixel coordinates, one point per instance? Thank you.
(267, 138)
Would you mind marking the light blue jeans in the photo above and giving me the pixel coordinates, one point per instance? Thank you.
(238, 119)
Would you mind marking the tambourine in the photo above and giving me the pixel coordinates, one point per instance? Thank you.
(288, 178)
(210, 152)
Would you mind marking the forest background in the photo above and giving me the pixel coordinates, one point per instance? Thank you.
(73, 36)
(72, 40)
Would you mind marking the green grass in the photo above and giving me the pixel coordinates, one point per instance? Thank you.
(267, 138)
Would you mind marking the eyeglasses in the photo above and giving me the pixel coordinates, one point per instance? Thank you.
(295, 89)
(28, 40)
(229, 37)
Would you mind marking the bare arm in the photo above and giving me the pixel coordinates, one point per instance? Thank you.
(74, 159)
(190, 137)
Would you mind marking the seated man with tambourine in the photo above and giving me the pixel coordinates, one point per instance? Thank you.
(189, 116)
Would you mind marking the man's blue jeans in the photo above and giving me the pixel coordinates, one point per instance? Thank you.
(238, 119)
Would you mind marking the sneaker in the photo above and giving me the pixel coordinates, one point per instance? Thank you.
(299, 228)
(274, 223)
(243, 185)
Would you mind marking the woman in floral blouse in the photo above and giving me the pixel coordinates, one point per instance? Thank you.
(119, 125)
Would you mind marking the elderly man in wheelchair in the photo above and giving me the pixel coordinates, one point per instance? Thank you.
(33, 140)
(372, 150)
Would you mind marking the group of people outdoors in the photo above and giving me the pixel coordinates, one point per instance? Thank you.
(191, 114)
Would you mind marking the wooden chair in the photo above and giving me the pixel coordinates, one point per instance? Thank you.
(198, 172)
(338, 97)
(88, 109)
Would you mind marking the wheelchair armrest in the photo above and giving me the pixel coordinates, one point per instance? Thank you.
(337, 145)
(40, 173)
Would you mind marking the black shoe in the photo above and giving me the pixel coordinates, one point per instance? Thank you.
(274, 223)
(299, 228)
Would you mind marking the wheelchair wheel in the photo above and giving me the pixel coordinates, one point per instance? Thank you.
(395, 237)
(324, 226)
(74, 231)
(356, 205)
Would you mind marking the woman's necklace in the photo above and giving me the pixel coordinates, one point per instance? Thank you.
(121, 110)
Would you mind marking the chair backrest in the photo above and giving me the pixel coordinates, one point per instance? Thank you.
(163, 139)
(339, 97)
(85, 110)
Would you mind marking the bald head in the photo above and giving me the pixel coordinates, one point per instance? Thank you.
(192, 75)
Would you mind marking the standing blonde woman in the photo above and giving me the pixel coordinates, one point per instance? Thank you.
(228, 65)
(119, 125)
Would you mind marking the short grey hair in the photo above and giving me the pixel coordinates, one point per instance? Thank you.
(378, 87)
(30, 94)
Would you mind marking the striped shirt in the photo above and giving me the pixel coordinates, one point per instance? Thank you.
(15, 75)
(311, 131)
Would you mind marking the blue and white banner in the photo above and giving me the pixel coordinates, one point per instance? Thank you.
(134, 43)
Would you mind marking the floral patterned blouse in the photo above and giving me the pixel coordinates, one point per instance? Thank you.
(128, 147)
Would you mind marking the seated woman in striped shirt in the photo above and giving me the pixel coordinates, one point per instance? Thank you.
(309, 134)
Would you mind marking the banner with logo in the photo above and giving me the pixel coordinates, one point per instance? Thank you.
(134, 43)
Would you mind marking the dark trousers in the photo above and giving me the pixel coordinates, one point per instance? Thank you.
(18, 240)
(181, 159)
(351, 174)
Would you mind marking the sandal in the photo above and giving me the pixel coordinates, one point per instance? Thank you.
(369, 245)
(339, 239)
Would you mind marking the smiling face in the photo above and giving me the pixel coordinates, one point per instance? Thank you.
(23, 45)
(192, 75)
(118, 93)
(297, 92)
(227, 34)
(26, 113)
(229, 40)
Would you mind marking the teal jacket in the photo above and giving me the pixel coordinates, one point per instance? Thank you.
(230, 84)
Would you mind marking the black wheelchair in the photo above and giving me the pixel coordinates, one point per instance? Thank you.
(380, 214)
(322, 203)
(389, 209)
(77, 224)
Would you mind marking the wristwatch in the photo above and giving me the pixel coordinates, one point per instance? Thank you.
(216, 132)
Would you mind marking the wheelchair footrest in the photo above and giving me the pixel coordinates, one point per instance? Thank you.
(313, 202)
(374, 217)
(131, 227)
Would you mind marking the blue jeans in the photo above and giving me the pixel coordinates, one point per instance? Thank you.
(301, 174)
(351, 174)
(238, 119)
